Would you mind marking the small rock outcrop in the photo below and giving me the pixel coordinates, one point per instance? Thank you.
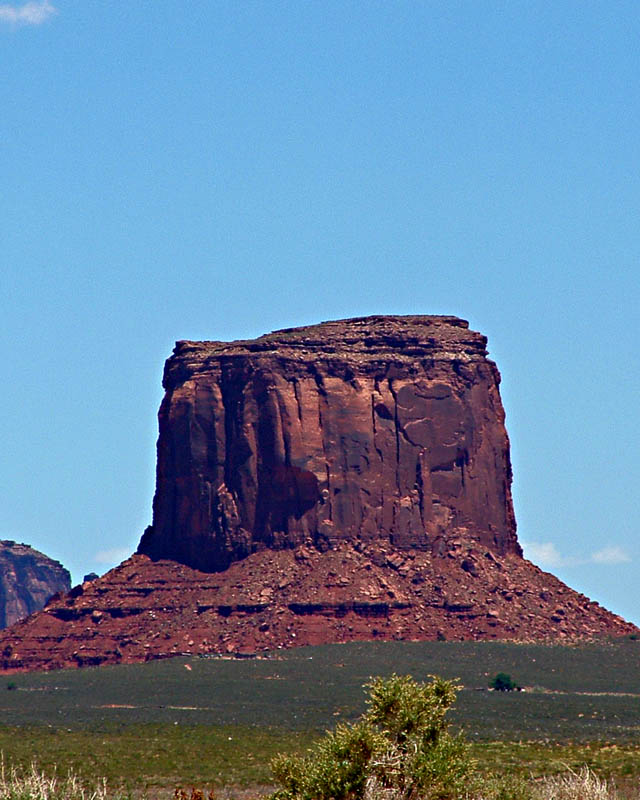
(28, 579)
(375, 429)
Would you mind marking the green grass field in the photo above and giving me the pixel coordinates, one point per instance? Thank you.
(219, 722)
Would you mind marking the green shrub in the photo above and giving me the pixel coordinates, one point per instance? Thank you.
(503, 683)
(506, 787)
(400, 749)
(337, 769)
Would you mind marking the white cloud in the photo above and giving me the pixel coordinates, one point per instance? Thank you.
(610, 555)
(546, 554)
(114, 556)
(32, 13)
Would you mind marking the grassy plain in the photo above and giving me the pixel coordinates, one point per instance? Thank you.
(218, 722)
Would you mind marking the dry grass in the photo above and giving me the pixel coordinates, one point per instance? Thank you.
(570, 785)
(584, 784)
(33, 784)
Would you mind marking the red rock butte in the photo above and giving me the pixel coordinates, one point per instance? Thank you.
(379, 429)
(347, 480)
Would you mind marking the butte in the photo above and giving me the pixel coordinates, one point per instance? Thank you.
(343, 481)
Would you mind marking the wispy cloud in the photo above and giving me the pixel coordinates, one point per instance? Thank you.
(610, 555)
(546, 554)
(32, 13)
(114, 556)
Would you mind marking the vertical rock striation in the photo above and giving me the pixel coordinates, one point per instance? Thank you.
(385, 429)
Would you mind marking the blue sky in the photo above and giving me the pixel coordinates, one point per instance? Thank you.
(215, 170)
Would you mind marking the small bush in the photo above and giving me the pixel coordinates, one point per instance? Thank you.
(400, 749)
(503, 683)
(194, 794)
(504, 787)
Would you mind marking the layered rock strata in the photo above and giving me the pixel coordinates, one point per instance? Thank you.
(145, 610)
(28, 579)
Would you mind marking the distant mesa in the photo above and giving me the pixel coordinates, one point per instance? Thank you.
(343, 481)
(28, 579)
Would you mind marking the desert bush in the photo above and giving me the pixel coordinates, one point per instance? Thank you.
(400, 749)
(33, 784)
(503, 683)
(193, 794)
(503, 787)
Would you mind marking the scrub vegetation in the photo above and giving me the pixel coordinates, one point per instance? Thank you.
(212, 723)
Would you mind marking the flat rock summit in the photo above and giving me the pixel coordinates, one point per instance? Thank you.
(347, 480)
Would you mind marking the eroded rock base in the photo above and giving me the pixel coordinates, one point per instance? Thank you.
(144, 610)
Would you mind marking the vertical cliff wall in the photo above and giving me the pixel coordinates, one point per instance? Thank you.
(376, 428)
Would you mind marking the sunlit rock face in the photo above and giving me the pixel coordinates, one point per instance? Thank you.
(369, 430)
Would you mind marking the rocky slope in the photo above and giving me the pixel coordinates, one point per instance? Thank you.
(28, 579)
(144, 610)
(349, 480)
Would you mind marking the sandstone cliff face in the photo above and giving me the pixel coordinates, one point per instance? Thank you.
(27, 580)
(386, 429)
